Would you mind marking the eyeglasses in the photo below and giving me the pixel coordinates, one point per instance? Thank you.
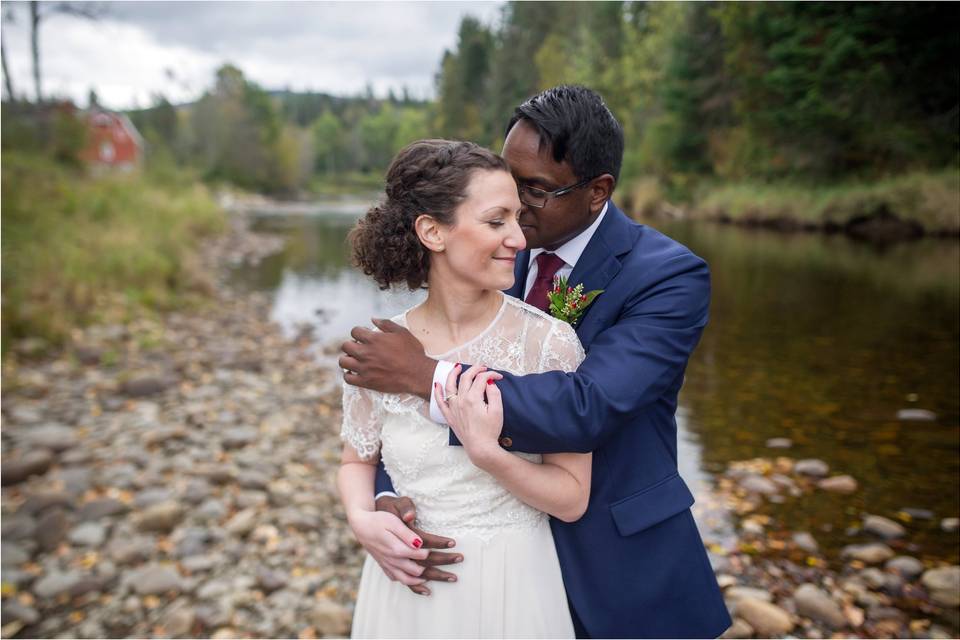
(533, 197)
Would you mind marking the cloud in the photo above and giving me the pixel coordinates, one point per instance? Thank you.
(337, 47)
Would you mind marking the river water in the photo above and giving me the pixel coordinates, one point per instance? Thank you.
(814, 338)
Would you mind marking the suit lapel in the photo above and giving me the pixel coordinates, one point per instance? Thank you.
(519, 275)
(599, 264)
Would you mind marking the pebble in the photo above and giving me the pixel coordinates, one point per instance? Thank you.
(779, 443)
(768, 620)
(916, 415)
(88, 534)
(330, 618)
(162, 517)
(839, 484)
(52, 529)
(950, 525)
(242, 522)
(806, 541)
(883, 527)
(237, 437)
(811, 467)
(758, 484)
(54, 437)
(143, 386)
(908, 567)
(54, 584)
(155, 579)
(178, 619)
(12, 555)
(101, 508)
(812, 602)
(944, 585)
(739, 629)
(32, 463)
(871, 553)
(15, 611)
(873, 578)
(734, 594)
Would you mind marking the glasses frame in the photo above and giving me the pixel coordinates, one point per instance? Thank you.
(548, 195)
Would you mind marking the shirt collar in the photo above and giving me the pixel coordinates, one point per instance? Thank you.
(571, 250)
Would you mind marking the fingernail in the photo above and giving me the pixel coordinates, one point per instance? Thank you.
(489, 380)
(451, 544)
(417, 543)
(458, 366)
(458, 559)
(451, 579)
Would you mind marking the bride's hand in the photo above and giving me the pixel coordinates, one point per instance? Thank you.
(474, 410)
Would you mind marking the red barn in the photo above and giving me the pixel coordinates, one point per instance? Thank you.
(112, 141)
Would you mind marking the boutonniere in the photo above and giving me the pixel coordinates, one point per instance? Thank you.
(568, 303)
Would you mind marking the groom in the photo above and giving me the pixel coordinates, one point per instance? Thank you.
(634, 565)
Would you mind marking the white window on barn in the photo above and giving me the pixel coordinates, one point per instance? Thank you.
(107, 152)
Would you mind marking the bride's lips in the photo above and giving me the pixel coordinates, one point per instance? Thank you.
(510, 259)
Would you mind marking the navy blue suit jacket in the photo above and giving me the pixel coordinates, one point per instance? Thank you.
(634, 565)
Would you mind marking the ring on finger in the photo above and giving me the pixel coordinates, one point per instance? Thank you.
(450, 396)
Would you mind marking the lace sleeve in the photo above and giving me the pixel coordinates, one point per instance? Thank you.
(562, 350)
(362, 419)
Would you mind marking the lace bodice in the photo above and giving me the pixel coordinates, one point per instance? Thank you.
(453, 497)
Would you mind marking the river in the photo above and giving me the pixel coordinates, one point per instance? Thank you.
(814, 338)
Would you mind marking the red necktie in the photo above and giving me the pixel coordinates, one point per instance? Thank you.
(547, 266)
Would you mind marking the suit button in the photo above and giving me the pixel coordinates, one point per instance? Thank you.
(506, 442)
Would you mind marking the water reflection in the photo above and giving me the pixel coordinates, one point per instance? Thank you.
(813, 338)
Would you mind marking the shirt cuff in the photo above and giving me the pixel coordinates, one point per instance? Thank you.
(384, 493)
(440, 374)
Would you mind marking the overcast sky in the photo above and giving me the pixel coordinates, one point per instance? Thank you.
(139, 48)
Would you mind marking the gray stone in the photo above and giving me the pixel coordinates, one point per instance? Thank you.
(237, 437)
(155, 579)
(779, 443)
(330, 618)
(886, 613)
(906, 566)
(917, 513)
(163, 517)
(88, 534)
(32, 463)
(213, 589)
(15, 611)
(883, 527)
(129, 550)
(178, 619)
(18, 527)
(196, 491)
(36, 503)
(200, 563)
(54, 437)
(161, 435)
(839, 484)
(873, 578)
(75, 480)
(806, 541)
(811, 467)
(242, 522)
(916, 415)
(151, 496)
(758, 484)
(271, 581)
(143, 386)
(814, 603)
(12, 555)
(950, 525)
(101, 508)
(872, 553)
(211, 509)
(943, 584)
(250, 479)
(768, 620)
(52, 529)
(54, 584)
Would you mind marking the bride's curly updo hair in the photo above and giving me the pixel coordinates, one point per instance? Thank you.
(426, 177)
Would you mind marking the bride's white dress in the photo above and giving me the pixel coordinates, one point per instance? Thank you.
(509, 584)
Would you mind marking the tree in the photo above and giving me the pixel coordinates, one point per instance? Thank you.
(40, 11)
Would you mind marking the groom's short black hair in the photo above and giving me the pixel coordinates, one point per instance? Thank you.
(579, 128)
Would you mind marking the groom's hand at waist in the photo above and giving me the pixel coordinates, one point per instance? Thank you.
(404, 509)
(391, 360)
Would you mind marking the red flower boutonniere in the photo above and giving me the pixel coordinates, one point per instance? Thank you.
(568, 303)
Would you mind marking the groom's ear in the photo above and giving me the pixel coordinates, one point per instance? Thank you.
(429, 232)
(600, 190)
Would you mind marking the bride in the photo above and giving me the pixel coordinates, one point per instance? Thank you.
(449, 221)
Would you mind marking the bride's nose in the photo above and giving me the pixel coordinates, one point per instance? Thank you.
(515, 239)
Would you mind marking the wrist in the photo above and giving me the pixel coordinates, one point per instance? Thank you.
(421, 383)
(487, 456)
(356, 515)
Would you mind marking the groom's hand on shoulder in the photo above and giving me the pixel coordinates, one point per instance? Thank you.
(404, 509)
(391, 360)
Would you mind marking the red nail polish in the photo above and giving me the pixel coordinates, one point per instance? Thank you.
(417, 543)
(489, 380)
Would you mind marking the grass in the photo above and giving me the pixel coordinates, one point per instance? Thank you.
(928, 199)
(78, 249)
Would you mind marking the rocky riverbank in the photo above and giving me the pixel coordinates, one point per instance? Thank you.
(174, 477)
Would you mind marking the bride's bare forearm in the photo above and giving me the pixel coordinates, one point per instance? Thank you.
(547, 487)
(355, 482)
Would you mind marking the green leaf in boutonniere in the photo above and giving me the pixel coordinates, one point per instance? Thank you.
(568, 303)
